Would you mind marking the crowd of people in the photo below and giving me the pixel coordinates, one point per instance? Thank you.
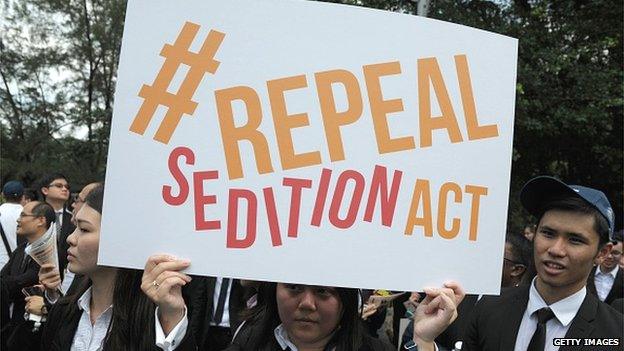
(562, 279)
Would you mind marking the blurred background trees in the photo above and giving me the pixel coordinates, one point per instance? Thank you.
(58, 64)
(58, 61)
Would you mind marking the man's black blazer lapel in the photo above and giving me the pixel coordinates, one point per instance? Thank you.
(210, 290)
(236, 304)
(591, 284)
(511, 317)
(617, 290)
(204, 327)
(67, 227)
(582, 325)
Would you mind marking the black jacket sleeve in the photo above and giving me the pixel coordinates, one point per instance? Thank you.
(13, 279)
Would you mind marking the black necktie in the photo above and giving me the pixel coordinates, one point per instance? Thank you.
(538, 341)
(218, 316)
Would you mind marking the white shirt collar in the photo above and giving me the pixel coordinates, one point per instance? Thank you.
(613, 272)
(84, 302)
(282, 338)
(565, 310)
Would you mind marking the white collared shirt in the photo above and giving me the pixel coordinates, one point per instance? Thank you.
(604, 281)
(89, 337)
(282, 338)
(9, 213)
(171, 341)
(565, 310)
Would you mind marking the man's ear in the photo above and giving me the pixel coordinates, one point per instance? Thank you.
(41, 222)
(518, 270)
(45, 190)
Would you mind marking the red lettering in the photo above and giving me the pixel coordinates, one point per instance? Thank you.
(201, 200)
(178, 176)
(274, 229)
(321, 196)
(355, 200)
(295, 202)
(233, 242)
(387, 201)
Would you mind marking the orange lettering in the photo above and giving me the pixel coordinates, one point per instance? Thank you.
(429, 71)
(231, 135)
(442, 206)
(283, 123)
(476, 192)
(421, 192)
(475, 131)
(380, 108)
(332, 119)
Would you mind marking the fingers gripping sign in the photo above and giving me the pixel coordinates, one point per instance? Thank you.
(49, 277)
(162, 282)
(436, 312)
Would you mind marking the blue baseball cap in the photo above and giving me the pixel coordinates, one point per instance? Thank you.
(13, 188)
(541, 189)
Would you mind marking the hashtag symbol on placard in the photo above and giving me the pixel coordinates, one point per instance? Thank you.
(180, 103)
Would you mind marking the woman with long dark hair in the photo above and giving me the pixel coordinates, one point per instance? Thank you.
(108, 311)
(292, 317)
(305, 315)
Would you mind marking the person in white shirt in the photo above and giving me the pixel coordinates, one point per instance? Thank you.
(108, 312)
(607, 279)
(12, 193)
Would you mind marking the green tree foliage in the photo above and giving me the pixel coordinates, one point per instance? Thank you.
(58, 63)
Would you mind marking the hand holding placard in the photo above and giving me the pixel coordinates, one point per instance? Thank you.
(44, 250)
(162, 282)
(436, 311)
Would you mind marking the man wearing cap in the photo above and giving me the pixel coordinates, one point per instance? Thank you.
(574, 228)
(607, 279)
(9, 212)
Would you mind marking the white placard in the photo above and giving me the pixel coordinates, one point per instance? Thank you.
(308, 142)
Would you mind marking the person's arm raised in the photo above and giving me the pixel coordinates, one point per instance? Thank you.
(435, 313)
(162, 282)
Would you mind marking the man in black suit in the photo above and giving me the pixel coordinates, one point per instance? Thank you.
(55, 191)
(214, 307)
(21, 270)
(607, 280)
(574, 227)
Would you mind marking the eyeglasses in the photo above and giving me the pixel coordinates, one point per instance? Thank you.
(22, 215)
(59, 185)
(513, 262)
